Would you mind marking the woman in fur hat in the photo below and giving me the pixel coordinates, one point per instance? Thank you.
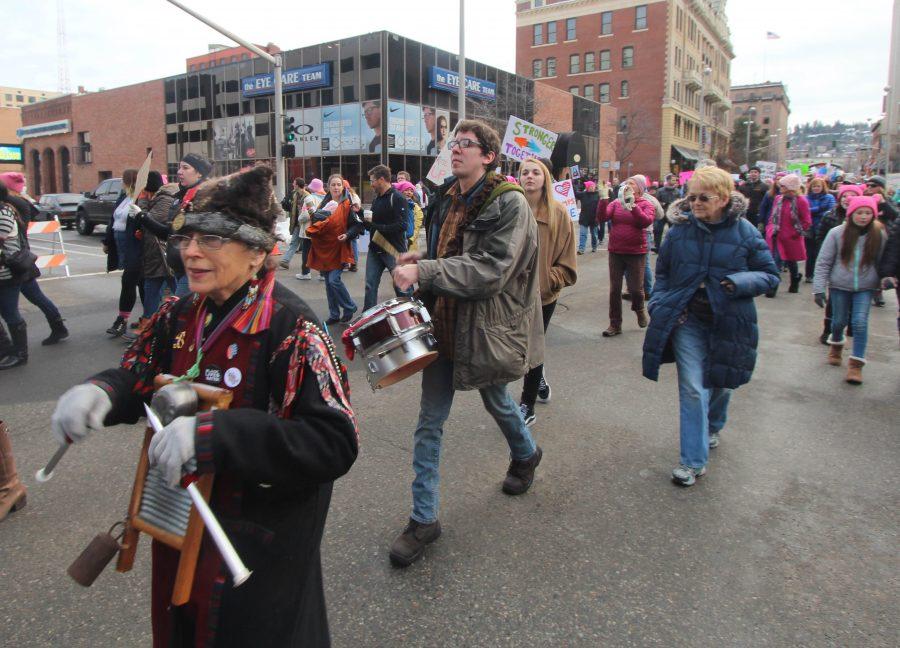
(290, 431)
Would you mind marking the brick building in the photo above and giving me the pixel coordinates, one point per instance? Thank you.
(663, 64)
(223, 55)
(75, 141)
(772, 108)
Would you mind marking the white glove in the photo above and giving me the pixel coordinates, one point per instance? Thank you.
(80, 410)
(134, 210)
(172, 447)
(626, 197)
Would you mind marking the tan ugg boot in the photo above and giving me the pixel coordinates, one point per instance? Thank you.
(643, 318)
(12, 492)
(834, 352)
(854, 370)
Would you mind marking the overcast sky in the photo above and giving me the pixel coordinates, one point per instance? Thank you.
(834, 60)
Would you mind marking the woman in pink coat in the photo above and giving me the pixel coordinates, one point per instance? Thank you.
(784, 231)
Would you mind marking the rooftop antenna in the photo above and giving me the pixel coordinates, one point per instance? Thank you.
(62, 59)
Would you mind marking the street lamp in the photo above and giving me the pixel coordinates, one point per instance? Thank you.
(279, 105)
(706, 72)
(749, 121)
(890, 130)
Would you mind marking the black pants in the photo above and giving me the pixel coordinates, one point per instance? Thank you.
(812, 253)
(132, 284)
(533, 377)
(305, 244)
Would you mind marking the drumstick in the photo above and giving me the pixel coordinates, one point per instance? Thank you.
(239, 571)
(46, 473)
(379, 240)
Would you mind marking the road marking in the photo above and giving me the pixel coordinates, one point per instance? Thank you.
(86, 274)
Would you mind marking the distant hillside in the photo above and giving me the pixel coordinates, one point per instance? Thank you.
(822, 139)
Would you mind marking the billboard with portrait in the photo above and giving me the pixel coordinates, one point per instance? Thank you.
(234, 138)
(435, 130)
(370, 125)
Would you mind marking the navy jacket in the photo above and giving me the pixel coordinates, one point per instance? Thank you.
(693, 253)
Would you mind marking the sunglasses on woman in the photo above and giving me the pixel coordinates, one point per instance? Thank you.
(701, 197)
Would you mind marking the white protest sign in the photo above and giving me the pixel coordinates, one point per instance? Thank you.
(441, 169)
(766, 169)
(564, 192)
(524, 140)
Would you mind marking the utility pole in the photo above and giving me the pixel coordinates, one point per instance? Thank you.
(706, 72)
(278, 100)
(462, 60)
(749, 123)
(889, 129)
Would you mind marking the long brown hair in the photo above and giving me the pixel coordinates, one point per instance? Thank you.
(852, 232)
(544, 201)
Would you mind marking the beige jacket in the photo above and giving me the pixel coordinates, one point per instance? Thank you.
(556, 250)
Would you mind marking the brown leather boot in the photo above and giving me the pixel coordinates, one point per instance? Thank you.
(409, 546)
(834, 353)
(643, 318)
(854, 370)
(612, 330)
(12, 492)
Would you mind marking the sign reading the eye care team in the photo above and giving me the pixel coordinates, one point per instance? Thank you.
(305, 78)
(447, 80)
(524, 140)
(564, 192)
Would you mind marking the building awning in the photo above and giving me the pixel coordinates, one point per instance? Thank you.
(686, 153)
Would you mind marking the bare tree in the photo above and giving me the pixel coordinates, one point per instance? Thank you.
(634, 129)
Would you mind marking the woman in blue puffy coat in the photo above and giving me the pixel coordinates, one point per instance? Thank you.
(821, 202)
(702, 317)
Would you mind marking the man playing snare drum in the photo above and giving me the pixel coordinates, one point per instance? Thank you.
(479, 280)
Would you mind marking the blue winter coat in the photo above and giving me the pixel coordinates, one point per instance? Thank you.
(692, 253)
(819, 205)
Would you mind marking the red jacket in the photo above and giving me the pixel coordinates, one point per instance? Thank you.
(326, 252)
(627, 236)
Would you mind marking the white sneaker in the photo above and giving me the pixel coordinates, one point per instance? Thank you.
(302, 277)
(687, 476)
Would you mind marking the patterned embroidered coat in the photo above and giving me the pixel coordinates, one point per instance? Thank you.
(290, 432)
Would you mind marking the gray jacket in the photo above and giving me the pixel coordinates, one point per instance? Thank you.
(830, 268)
(499, 325)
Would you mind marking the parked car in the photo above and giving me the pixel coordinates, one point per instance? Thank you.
(63, 206)
(98, 206)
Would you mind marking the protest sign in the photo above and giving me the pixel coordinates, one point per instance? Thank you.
(441, 168)
(766, 169)
(524, 140)
(564, 192)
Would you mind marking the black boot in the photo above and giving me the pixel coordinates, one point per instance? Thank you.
(58, 331)
(118, 327)
(795, 283)
(19, 354)
(6, 345)
(771, 293)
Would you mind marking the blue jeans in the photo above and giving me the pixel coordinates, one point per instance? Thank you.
(701, 410)
(31, 290)
(121, 238)
(376, 263)
(292, 248)
(182, 288)
(153, 293)
(9, 305)
(583, 234)
(861, 302)
(434, 408)
(337, 295)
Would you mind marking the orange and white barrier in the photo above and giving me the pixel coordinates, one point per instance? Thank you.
(56, 259)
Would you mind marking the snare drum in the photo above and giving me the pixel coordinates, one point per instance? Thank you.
(396, 338)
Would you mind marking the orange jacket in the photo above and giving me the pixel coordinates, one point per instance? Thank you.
(326, 251)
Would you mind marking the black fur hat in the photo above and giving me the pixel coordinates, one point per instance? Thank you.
(248, 196)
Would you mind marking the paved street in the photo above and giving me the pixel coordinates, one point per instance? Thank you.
(790, 540)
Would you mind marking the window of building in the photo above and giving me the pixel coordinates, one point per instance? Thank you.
(551, 66)
(679, 19)
(677, 91)
(589, 62)
(570, 29)
(574, 90)
(32, 99)
(574, 64)
(766, 120)
(193, 68)
(677, 125)
(234, 59)
(9, 97)
(605, 59)
(678, 57)
(537, 3)
(551, 32)
(538, 35)
(640, 17)
(606, 23)
(203, 66)
(537, 69)
(624, 90)
(84, 148)
(627, 57)
(589, 92)
(20, 98)
(623, 123)
(244, 56)
(604, 93)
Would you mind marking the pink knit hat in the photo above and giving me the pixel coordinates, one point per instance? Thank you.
(640, 181)
(790, 182)
(13, 180)
(315, 185)
(857, 189)
(590, 185)
(403, 185)
(858, 202)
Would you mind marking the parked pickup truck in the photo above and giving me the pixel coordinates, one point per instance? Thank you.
(98, 206)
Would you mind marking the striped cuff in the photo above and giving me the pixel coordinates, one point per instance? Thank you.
(203, 443)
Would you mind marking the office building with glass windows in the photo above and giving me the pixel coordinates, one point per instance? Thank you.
(352, 104)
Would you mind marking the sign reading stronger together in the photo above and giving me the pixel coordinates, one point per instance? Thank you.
(524, 140)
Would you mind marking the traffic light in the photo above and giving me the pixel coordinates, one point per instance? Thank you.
(290, 137)
(289, 151)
